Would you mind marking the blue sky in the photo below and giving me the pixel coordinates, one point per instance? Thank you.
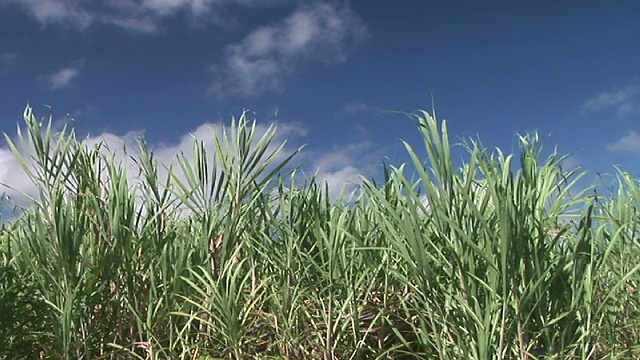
(167, 68)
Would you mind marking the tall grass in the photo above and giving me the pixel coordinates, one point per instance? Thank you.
(230, 256)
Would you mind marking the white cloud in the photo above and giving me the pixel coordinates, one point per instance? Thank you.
(147, 15)
(342, 167)
(49, 12)
(629, 143)
(570, 163)
(14, 181)
(316, 32)
(357, 108)
(355, 112)
(139, 25)
(12, 175)
(621, 102)
(8, 58)
(63, 77)
(143, 16)
(339, 167)
(8, 61)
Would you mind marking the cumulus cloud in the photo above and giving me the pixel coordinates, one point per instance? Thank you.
(136, 15)
(621, 102)
(16, 184)
(342, 167)
(64, 76)
(12, 178)
(339, 167)
(315, 32)
(629, 144)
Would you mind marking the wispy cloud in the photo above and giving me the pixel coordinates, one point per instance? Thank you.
(571, 163)
(627, 144)
(145, 16)
(357, 113)
(8, 58)
(64, 76)
(620, 102)
(315, 32)
(64, 12)
(358, 108)
(8, 61)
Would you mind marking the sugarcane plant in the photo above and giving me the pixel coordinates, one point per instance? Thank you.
(230, 252)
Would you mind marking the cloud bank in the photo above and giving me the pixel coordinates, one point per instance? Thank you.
(338, 167)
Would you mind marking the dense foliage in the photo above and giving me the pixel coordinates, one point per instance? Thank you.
(230, 257)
